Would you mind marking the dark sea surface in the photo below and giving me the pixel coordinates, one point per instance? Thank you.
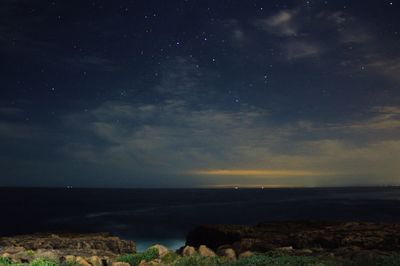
(164, 216)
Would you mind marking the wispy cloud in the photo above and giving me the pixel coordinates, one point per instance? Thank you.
(281, 24)
(301, 49)
(174, 139)
(389, 67)
(10, 111)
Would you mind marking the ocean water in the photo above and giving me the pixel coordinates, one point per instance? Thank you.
(164, 216)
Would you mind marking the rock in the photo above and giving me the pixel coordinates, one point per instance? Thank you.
(204, 251)
(11, 248)
(69, 258)
(47, 254)
(214, 235)
(155, 262)
(188, 251)
(100, 244)
(327, 236)
(285, 249)
(142, 263)
(304, 251)
(228, 253)
(245, 254)
(117, 263)
(21, 256)
(95, 261)
(81, 261)
(162, 250)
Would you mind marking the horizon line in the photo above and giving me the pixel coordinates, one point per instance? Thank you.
(214, 187)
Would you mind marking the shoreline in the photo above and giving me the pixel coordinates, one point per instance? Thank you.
(336, 241)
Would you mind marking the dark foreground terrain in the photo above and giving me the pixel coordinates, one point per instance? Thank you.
(268, 243)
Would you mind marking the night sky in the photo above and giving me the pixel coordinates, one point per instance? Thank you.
(206, 93)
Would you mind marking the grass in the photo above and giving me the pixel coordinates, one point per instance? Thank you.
(256, 260)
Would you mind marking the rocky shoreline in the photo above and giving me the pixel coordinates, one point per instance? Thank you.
(323, 239)
(353, 241)
(97, 249)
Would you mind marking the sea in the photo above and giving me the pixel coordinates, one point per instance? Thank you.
(165, 216)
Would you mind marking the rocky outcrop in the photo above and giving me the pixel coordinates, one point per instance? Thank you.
(304, 237)
(102, 243)
(93, 249)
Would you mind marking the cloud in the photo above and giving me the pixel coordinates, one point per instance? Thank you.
(239, 147)
(10, 111)
(387, 67)
(301, 49)
(280, 24)
(180, 76)
(13, 130)
(295, 40)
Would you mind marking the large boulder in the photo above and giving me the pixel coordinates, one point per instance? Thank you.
(82, 262)
(204, 251)
(189, 251)
(227, 253)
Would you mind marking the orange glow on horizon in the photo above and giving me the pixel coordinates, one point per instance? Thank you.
(258, 173)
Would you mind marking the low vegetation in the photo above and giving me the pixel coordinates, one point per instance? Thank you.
(268, 259)
(135, 259)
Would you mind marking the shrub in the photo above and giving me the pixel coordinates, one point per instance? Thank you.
(30, 253)
(170, 257)
(71, 263)
(5, 261)
(135, 259)
(262, 260)
(200, 261)
(388, 260)
(132, 259)
(43, 262)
